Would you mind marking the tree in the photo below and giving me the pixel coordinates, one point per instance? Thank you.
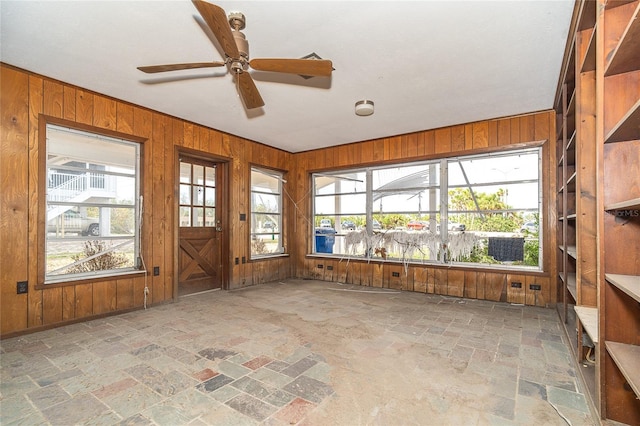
(460, 199)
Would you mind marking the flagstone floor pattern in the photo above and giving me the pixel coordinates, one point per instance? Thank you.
(297, 352)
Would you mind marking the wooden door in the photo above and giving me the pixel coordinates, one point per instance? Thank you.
(201, 234)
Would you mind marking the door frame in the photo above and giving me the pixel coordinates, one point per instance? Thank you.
(222, 183)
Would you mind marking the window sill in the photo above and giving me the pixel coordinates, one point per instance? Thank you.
(268, 257)
(68, 281)
(531, 270)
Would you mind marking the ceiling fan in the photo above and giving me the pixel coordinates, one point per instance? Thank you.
(236, 51)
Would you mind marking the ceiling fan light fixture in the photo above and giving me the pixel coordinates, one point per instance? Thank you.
(364, 108)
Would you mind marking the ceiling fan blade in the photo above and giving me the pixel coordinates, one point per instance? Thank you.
(216, 19)
(311, 67)
(248, 91)
(175, 67)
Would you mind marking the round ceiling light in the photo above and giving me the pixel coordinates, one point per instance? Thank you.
(364, 108)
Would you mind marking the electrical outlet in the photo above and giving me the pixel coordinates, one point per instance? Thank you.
(534, 287)
(320, 266)
(244, 260)
(156, 271)
(395, 274)
(243, 217)
(237, 261)
(516, 284)
(23, 287)
(329, 268)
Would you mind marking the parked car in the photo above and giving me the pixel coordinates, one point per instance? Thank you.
(325, 223)
(73, 222)
(418, 225)
(455, 226)
(348, 225)
(270, 225)
(376, 225)
(529, 227)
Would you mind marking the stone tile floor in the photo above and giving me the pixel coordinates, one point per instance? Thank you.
(298, 352)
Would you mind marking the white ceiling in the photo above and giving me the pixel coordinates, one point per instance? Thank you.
(425, 64)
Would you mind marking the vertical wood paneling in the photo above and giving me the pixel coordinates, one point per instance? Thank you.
(455, 282)
(527, 130)
(443, 140)
(440, 281)
(69, 103)
(495, 287)
(104, 297)
(431, 280)
(84, 300)
(143, 127)
(124, 293)
(68, 303)
(124, 118)
(53, 99)
(458, 138)
(14, 201)
(52, 305)
(429, 142)
(492, 135)
(377, 278)
(504, 132)
(515, 130)
(481, 135)
(36, 93)
(481, 278)
(84, 107)
(104, 112)
(158, 220)
(420, 280)
(470, 284)
(378, 150)
(516, 294)
(168, 209)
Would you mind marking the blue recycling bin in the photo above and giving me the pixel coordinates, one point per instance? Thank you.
(325, 238)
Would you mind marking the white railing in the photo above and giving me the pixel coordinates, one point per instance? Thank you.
(67, 187)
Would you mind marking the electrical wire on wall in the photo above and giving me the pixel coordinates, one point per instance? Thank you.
(141, 257)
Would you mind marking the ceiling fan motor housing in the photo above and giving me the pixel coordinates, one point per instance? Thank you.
(242, 44)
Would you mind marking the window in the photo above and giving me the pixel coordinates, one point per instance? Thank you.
(482, 209)
(197, 194)
(266, 213)
(92, 211)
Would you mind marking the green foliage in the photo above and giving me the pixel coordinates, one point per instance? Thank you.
(460, 199)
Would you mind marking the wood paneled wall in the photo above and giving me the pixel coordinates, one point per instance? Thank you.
(455, 140)
(24, 97)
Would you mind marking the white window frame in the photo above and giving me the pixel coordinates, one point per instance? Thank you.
(260, 233)
(444, 211)
(103, 182)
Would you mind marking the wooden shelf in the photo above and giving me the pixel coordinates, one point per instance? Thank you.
(627, 358)
(589, 62)
(571, 285)
(589, 319)
(628, 128)
(571, 250)
(571, 183)
(633, 204)
(625, 57)
(630, 284)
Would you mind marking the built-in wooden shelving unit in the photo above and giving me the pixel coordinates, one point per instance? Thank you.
(619, 209)
(598, 110)
(598, 114)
